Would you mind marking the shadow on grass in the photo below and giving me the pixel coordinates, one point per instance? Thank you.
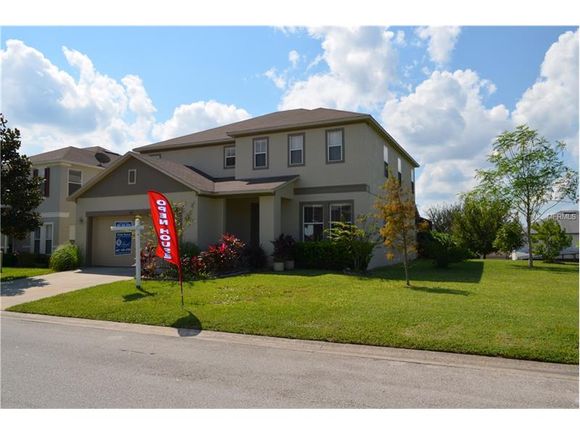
(423, 270)
(553, 267)
(439, 290)
(188, 326)
(139, 294)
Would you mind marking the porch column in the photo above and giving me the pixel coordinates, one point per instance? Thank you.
(270, 212)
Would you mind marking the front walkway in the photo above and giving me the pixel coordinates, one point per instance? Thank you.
(43, 286)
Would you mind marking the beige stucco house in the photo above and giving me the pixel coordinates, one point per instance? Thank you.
(64, 171)
(291, 172)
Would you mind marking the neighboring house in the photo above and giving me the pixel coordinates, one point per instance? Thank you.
(293, 172)
(64, 171)
(568, 220)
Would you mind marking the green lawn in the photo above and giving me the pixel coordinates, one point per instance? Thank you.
(492, 307)
(11, 273)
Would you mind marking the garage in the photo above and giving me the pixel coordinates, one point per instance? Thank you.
(113, 248)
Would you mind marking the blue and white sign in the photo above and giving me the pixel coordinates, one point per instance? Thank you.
(123, 240)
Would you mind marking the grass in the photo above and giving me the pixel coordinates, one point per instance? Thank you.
(491, 307)
(12, 273)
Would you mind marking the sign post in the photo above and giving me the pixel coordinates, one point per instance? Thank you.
(137, 228)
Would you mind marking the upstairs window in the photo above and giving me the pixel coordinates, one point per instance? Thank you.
(413, 180)
(229, 157)
(386, 160)
(295, 149)
(399, 169)
(46, 186)
(335, 146)
(75, 180)
(132, 176)
(261, 153)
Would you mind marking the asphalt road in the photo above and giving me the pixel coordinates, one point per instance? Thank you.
(59, 365)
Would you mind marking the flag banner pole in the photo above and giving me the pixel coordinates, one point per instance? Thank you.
(163, 221)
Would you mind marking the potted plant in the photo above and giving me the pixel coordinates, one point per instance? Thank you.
(290, 244)
(280, 253)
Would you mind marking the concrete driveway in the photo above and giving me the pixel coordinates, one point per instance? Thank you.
(43, 286)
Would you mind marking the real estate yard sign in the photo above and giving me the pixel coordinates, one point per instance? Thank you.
(122, 239)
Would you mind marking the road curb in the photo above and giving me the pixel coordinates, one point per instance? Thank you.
(413, 356)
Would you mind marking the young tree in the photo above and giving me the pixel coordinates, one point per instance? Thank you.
(549, 239)
(395, 207)
(509, 237)
(477, 222)
(528, 172)
(21, 193)
(442, 216)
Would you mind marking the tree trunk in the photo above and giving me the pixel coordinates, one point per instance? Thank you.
(529, 231)
(405, 265)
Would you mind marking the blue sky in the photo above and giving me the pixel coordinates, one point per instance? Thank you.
(443, 92)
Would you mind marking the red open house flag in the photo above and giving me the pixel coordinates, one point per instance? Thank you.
(164, 224)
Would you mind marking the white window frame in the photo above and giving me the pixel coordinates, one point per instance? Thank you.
(226, 156)
(399, 167)
(51, 225)
(69, 182)
(386, 160)
(321, 206)
(34, 240)
(301, 149)
(129, 172)
(328, 146)
(256, 141)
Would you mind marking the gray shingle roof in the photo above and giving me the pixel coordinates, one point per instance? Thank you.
(271, 121)
(84, 156)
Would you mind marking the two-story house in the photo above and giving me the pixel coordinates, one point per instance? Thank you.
(293, 172)
(64, 171)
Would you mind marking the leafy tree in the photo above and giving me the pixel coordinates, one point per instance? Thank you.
(395, 207)
(528, 172)
(443, 249)
(477, 222)
(21, 193)
(510, 236)
(550, 238)
(442, 216)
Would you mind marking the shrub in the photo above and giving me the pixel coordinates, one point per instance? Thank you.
(550, 238)
(356, 241)
(443, 250)
(189, 249)
(223, 257)
(284, 247)
(324, 254)
(65, 257)
(28, 259)
(254, 257)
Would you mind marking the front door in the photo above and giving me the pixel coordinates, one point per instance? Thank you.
(254, 223)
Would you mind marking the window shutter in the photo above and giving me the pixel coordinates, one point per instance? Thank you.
(46, 182)
(35, 172)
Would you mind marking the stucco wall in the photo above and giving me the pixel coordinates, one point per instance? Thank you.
(209, 159)
(123, 206)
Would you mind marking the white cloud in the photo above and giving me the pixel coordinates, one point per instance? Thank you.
(551, 104)
(53, 109)
(445, 118)
(201, 115)
(293, 58)
(441, 41)
(361, 62)
(278, 79)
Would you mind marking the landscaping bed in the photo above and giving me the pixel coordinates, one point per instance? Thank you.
(489, 307)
